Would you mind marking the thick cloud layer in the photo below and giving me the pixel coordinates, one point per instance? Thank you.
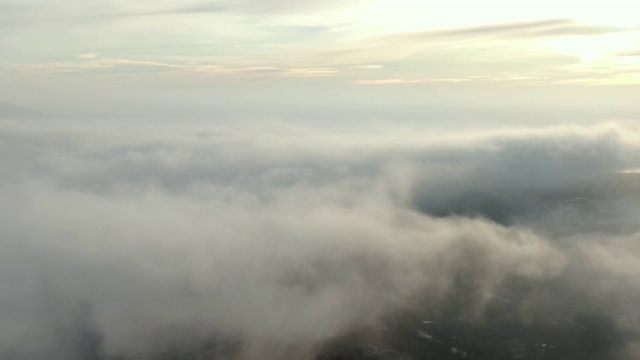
(267, 241)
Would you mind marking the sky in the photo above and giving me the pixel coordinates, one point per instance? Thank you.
(117, 58)
(258, 179)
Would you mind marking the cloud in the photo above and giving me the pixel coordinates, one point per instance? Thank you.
(92, 64)
(406, 81)
(576, 30)
(271, 239)
(216, 71)
(629, 53)
(510, 80)
(259, 7)
(87, 56)
(305, 29)
(188, 68)
(602, 75)
(20, 14)
(366, 67)
(508, 28)
(525, 29)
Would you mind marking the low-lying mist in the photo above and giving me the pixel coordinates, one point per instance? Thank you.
(271, 241)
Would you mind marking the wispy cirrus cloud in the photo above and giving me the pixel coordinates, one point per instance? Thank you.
(468, 43)
(525, 29)
(630, 53)
(189, 69)
(595, 76)
(408, 81)
(366, 67)
(255, 71)
(509, 80)
(66, 12)
(91, 64)
(260, 6)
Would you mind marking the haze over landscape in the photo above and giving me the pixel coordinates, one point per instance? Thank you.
(284, 179)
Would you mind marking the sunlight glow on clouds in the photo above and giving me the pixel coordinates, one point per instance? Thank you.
(256, 179)
(494, 43)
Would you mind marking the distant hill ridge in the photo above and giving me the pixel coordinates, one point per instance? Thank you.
(14, 111)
